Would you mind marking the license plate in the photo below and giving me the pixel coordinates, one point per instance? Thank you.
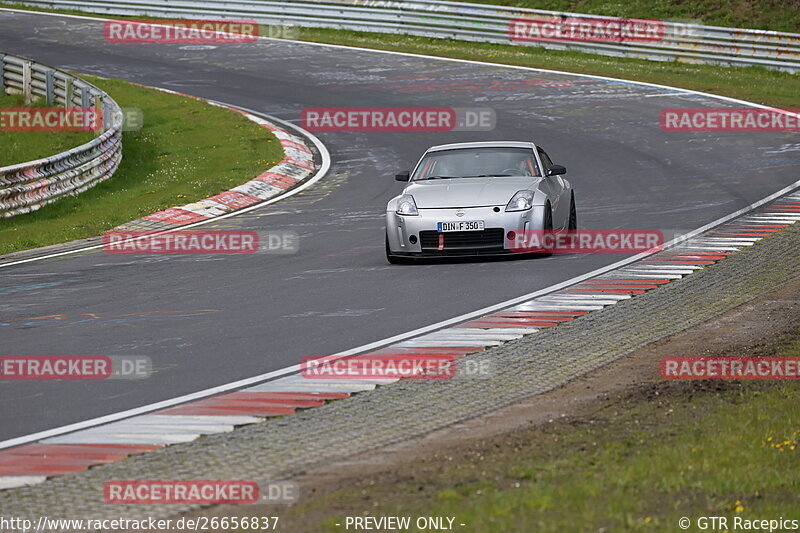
(461, 225)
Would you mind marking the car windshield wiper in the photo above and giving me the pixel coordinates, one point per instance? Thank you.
(441, 177)
(487, 176)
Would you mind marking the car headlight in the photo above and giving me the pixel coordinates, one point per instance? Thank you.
(406, 206)
(521, 201)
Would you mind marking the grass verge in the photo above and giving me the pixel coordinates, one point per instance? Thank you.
(639, 463)
(19, 146)
(187, 150)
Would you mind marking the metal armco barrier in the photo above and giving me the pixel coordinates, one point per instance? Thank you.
(677, 41)
(28, 186)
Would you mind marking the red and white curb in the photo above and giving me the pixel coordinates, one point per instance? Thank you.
(33, 462)
(296, 166)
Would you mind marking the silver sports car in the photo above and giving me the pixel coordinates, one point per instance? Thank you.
(473, 198)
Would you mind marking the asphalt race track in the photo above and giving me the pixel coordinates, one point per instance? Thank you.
(209, 320)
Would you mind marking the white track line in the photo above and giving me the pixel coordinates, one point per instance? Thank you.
(426, 329)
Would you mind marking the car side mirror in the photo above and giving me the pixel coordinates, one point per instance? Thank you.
(403, 176)
(555, 170)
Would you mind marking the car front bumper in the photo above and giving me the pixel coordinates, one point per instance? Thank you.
(418, 235)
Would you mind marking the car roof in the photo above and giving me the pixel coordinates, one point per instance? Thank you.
(484, 144)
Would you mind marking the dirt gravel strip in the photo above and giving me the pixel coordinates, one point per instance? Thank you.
(282, 447)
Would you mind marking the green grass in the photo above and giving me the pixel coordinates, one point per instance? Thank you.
(638, 464)
(20, 146)
(187, 150)
(649, 479)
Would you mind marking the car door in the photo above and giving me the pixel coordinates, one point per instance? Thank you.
(557, 190)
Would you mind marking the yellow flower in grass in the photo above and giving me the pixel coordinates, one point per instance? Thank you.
(738, 507)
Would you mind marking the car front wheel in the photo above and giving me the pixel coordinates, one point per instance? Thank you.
(573, 215)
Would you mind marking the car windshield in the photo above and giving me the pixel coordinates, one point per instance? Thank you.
(477, 163)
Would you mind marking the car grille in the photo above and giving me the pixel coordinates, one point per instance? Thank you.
(489, 240)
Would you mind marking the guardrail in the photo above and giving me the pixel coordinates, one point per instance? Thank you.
(677, 41)
(28, 186)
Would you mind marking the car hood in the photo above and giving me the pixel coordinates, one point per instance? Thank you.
(467, 192)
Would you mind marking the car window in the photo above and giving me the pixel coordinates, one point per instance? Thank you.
(477, 162)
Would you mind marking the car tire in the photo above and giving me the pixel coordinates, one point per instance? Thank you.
(547, 223)
(572, 224)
